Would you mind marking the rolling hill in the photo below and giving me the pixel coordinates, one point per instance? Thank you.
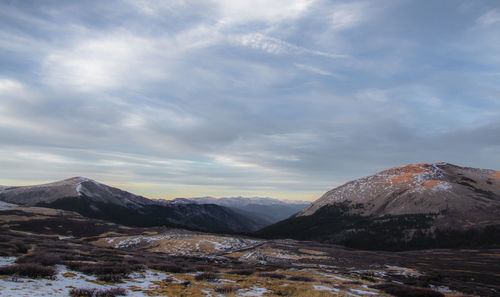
(409, 207)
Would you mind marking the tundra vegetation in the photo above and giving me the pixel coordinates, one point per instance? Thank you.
(66, 254)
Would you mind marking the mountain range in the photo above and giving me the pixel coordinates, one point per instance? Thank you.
(96, 200)
(266, 211)
(407, 207)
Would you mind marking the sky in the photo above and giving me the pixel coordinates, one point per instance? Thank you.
(278, 98)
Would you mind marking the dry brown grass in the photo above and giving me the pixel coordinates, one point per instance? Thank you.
(405, 178)
(17, 218)
(312, 252)
(300, 290)
(184, 243)
(431, 183)
(277, 253)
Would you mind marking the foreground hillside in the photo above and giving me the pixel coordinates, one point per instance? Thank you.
(47, 252)
(96, 200)
(409, 207)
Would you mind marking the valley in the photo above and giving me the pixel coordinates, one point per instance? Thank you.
(161, 261)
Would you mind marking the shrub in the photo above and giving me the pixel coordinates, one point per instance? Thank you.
(111, 278)
(242, 271)
(73, 255)
(110, 259)
(21, 247)
(286, 291)
(272, 275)
(368, 277)
(105, 268)
(407, 291)
(167, 268)
(135, 260)
(28, 270)
(188, 268)
(7, 249)
(82, 292)
(75, 265)
(206, 276)
(226, 289)
(203, 268)
(114, 292)
(135, 267)
(42, 258)
(300, 278)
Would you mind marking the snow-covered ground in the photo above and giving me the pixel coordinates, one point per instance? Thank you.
(66, 280)
(253, 291)
(7, 260)
(324, 288)
(181, 243)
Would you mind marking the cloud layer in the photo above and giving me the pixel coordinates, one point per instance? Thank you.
(269, 98)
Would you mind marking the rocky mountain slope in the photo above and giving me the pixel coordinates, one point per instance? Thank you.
(96, 200)
(265, 211)
(413, 206)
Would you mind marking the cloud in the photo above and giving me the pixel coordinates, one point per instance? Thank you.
(107, 62)
(223, 98)
(489, 18)
(313, 69)
(8, 86)
(347, 15)
(242, 12)
(277, 46)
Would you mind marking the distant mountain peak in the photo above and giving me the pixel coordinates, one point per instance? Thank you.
(238, 200)
(78, 179)
(264, 210)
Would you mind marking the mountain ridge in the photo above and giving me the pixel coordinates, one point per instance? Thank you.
(96, 200)
(412, 206)
(265, 210)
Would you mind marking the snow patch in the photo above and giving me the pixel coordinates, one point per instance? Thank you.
(79, 189)
(254, 291)
(442, 186)
(363, 292)
(324, 288)
(335, 276)
(7, 260)
(64, 281)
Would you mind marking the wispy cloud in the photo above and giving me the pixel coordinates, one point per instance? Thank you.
(278, 46)
(346, 15)
(313, 69)
(273, 98)
(489, 18)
